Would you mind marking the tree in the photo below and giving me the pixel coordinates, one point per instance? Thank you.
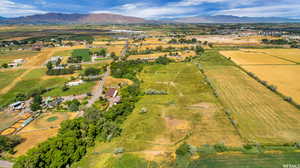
(7, 143)
(113, 56)
(49, 65)
(21, 97)
(199, 50)
(163, 60)
(91, 71)
(36, 104)
(73, 105)
(183, 150)
(5, 65)
(65, 88)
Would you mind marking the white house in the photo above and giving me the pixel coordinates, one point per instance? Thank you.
(75, 83)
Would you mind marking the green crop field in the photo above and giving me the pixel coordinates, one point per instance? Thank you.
(84, 53)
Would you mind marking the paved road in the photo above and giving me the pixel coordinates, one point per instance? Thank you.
(98, 91)
(5, 164)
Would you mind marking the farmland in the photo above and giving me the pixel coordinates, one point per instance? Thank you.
(261, 115)
(189, 110)
(288, 54)
(278, 67)
(283, 77)
(197, 107)
(252, 58)
(41, 129)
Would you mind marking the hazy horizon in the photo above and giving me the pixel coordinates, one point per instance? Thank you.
(154, 8)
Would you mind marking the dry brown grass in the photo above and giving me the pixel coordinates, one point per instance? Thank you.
(40, 130)
(117, 49)
(112, 82)
(289, 54)
(286, 78)
(232, 39)
(248, 58)
(261, 115)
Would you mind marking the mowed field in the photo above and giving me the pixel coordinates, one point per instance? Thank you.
(261, 115)
(288, 54)
(253, 58)
(8, 56)
(183, 55)
(285, 78)
(189, 112)
(279, 67)
(46, 126)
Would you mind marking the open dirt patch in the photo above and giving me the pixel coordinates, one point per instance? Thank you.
(177, 124)
(111, 81)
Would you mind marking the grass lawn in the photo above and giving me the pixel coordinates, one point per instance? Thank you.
(7, 77)
(74, 90)
(51, 119)
(84, 53)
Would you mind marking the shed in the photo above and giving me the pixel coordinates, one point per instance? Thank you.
(112, 92)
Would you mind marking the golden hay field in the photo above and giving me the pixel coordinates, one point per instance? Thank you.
(147, 56)
(115, 48)
(153, 46)
(232, 39)
(100, 42)
(183, 55)
(260, 115)
(250, 58)
(114, 82)
(286, 78)
(40, 130)
(289, 54)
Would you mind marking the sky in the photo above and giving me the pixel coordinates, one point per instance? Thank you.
(154, 9)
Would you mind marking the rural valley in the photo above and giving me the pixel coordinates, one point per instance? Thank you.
(139, 93)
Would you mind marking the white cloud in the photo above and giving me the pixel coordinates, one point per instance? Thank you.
(195, 2)
(12, 9)
(146, 10)
(264, 11)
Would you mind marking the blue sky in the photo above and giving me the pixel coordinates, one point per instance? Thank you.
(152, 9)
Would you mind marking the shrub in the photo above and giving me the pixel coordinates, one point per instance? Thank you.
(183, 150)
(220, 147)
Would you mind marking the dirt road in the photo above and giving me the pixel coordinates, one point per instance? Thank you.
(98, 90)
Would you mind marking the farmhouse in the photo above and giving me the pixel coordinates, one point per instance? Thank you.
(75, 83)
(19, 105)
(51, 103)
(55, 59)
(37, 47)
(111, 93)
(16, 63)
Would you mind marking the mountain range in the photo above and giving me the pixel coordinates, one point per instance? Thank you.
(104, 18)
(59, 18)
(234, 19)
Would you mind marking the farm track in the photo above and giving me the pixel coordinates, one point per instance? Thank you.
(35, 63)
